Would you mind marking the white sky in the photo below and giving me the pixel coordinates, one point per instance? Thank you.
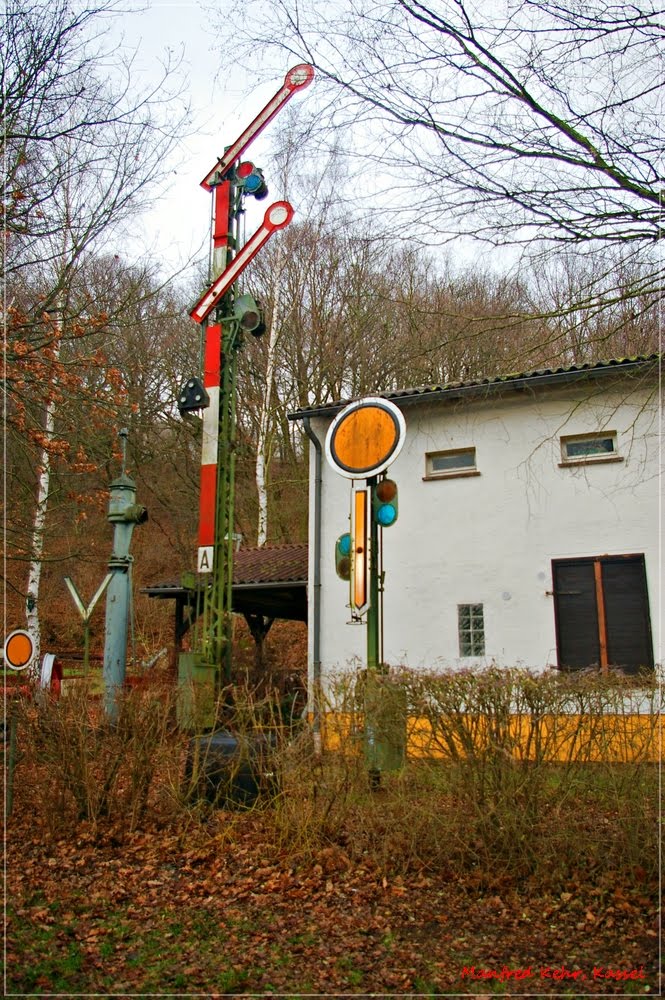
(224, 100)
(225, 97)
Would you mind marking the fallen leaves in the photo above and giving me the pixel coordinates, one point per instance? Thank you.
(215, 914)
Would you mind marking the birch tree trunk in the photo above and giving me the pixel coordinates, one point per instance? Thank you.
(263, 443)
(39, 524)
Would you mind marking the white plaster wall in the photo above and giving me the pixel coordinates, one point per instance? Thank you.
(490, 539)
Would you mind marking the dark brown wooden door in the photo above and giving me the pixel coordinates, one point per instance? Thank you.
(601, 610)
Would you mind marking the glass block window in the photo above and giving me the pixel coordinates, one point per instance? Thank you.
(585, 447)
(471, 629)
(450, 463)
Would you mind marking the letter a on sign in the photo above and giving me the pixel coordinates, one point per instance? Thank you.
(205, 559)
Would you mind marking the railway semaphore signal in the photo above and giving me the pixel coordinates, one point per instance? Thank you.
(225, 317)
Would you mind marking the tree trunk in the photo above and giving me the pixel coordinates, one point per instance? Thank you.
(37, 542)
(263, 443)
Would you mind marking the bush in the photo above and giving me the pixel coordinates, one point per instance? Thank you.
(511, 774)
(80, 766)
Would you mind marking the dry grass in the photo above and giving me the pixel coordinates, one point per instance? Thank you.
(567, 788)
(527, 776)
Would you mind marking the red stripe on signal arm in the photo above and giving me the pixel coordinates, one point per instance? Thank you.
(278, 215)
(212, 356)
(304, 74)
(207, 504)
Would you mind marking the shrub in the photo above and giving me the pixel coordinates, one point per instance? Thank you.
(510, 774)
(81, 766)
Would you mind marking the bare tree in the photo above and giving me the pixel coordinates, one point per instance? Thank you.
(535, 123)
(127, 373)
(81, 155)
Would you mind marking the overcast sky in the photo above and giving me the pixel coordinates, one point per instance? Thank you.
(224, 100)
(225, 97)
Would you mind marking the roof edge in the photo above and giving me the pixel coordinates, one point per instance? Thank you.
(489, 386)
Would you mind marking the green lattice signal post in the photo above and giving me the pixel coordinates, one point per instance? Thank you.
(224, 316)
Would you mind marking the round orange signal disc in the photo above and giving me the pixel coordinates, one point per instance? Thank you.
(19, 649)
(365, 437)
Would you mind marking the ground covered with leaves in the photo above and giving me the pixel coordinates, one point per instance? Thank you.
(216, 908)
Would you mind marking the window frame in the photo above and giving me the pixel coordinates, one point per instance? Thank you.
(474, 633)
(454, 473)
(591, 459)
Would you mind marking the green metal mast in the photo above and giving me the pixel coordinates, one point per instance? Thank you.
(227, 316)
(209, 665)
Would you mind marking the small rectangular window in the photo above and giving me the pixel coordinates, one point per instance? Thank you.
(456, 462)
(589, 447)
(471, 629)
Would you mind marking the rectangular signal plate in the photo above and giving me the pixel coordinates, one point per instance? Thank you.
(360, 546)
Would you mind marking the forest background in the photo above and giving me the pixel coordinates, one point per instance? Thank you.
(430, 128)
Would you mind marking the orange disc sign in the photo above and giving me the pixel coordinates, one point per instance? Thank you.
(365, 437)
(19, 649)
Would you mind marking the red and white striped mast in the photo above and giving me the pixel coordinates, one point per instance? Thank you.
(229, 181)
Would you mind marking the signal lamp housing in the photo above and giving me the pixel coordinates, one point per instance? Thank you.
(193, 396)
(343, 557)
(249, 315)
(385, 503)
(251, 180)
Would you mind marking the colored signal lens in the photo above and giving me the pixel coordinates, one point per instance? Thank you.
(253, 183)
(244, 170)
(251, 180)
(345, 544)
(250, 320)
(386, 490)
(386, 515)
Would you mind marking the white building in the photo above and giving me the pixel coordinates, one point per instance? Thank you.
(528, 527)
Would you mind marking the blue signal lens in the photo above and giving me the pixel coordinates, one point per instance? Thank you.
(253, 182)
(386, 515)
(345, 545)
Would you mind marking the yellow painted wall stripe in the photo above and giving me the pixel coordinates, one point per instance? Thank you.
(555, 738)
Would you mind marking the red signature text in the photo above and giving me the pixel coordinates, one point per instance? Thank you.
(502, 974)
(561, 973)
(600, 972)
(558, 972)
